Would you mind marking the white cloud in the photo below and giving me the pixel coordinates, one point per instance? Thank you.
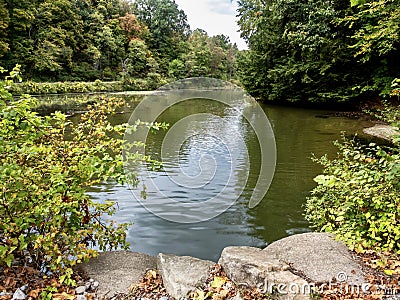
(214, 16)
(223, 7)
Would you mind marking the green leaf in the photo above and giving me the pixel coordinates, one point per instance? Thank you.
(339, 219)
(9, 259)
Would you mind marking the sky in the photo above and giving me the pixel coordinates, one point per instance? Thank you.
(213, 16)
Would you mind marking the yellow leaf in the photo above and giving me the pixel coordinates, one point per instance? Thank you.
(200, 295)
(389, 272)
(218, 282)
(152, 273)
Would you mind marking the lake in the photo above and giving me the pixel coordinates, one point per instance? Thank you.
(299, 133)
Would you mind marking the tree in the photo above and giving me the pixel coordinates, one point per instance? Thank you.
(378, 28)
(140, 60)
(66, 39)
(19, 30)
(222, 56)
(375, 42)
(177, 69)
(198, 58)
(298, 51)
(88, 40)
(58, 32)
(204, 56)
(4, 22)
(167, 25)
(132, 28)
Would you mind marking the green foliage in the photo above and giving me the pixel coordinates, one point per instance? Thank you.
(375, 37)
(378, 28)
(38, 88)
(309, 51)
(140, 60)
(357, 197)
(396, 88)
(177, 69)
(46, 164)
(59, 32)
(296, 53)
(67, 40)
(167, 24)
(4, 22)
(205, 56)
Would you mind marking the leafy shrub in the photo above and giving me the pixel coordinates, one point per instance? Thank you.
(39, 88)
(396, 88)
(151, 82)
(47, 219)
(154, 81)
(357, 197)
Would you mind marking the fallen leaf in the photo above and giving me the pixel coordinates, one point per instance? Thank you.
(34, 293)
(389, 272)
(218, 282)
(153, 274)
(200, 295)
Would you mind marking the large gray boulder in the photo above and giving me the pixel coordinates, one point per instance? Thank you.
(382, 131)
(253, 267)
(182, 274)
(319, 257)
(116, 271)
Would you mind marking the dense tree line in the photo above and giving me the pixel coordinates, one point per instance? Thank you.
(107, 39)
(314, 50)
(319, 50)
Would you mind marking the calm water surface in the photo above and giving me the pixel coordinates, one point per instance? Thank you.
(298, 132)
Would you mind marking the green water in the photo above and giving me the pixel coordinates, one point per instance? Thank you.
(299, 133)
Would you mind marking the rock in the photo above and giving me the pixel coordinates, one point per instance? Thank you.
(116, 271)
(5, 294)
(23, 288)
(253, 267)
(381, 131)
(182, 274)
(81, 297)
(164, 298)
(19, 295)
(319, 257)
(95, 284)
(80, 289)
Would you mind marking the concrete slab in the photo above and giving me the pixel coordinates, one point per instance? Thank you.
(116, 271)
